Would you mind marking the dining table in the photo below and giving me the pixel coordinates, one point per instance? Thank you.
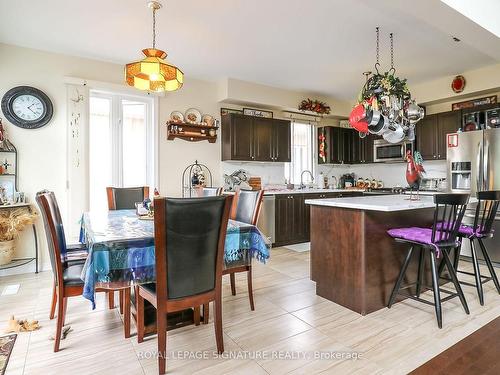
(122, 253)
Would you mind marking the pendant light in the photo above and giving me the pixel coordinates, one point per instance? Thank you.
(153, 73)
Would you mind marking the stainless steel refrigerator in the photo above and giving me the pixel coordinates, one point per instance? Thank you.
(473, 162)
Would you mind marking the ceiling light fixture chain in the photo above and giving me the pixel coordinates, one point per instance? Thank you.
(393, 69)
(377, 63)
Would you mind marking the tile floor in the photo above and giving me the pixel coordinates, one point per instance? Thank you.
(289, 320)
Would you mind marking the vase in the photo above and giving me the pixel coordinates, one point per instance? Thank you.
(6, 252)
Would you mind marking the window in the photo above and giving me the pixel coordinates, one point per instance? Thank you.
(302, 153)
(120, 144)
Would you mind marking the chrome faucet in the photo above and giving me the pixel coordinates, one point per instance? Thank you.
(302, 186)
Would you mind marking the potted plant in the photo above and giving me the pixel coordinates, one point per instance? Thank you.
(12, 222)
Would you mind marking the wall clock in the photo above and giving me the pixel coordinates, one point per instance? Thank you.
(27, 107)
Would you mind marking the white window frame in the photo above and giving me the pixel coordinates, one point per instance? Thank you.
(289, 166)
(117, 135)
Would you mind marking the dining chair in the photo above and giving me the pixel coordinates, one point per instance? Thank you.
(209, 191)
(190, 235)
(124, 199)
(67, 274)
(482, 228)
(436, 241)
(246, 208)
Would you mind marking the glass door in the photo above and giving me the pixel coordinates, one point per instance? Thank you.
(120, 144)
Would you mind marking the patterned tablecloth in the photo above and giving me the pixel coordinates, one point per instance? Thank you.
(121, 248)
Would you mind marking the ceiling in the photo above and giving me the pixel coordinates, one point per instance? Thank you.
(317, 46)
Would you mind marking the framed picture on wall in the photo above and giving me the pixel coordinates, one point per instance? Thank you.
(226, 111)
(257, 113)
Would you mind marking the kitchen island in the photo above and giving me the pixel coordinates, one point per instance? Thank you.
(354, 262)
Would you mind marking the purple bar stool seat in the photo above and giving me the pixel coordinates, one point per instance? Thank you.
(484, 217)
(436, 241)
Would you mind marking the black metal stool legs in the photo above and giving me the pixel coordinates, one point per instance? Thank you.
(456, 283)
(477, 272)
(401, 276)
(435, 287)
(421, 267)
(487, 259)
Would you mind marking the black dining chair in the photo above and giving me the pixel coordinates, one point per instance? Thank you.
(482, 228)
(190, 235)
(436, 241)
(209, 191)
(124, 199)
(246, 209)
(67, 274)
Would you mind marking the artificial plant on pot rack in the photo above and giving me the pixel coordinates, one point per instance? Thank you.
(12, 222)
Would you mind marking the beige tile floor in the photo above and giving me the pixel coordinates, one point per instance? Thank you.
(289, 319)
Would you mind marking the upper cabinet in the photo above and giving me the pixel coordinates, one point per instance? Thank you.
(247, 138)
(344, 146)
(431, 134)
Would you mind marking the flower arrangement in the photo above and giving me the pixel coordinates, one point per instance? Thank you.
(314, 106)
(12, 222)
(384, 85)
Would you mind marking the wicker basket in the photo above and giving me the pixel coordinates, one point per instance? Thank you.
(6, 252)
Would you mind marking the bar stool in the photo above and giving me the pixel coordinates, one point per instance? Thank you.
(482, 228)
(448, 215)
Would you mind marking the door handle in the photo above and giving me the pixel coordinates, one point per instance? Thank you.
(478, 163)
(486, 170)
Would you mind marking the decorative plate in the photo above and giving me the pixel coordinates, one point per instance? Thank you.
(208, 119)
(177, 116)
(193, 116)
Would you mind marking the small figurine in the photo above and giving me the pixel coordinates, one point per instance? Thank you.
(414, 170)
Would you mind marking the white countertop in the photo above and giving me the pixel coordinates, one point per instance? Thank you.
(311, 191)
(386, 203)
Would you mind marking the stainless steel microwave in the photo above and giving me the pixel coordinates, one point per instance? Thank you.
(384, 151)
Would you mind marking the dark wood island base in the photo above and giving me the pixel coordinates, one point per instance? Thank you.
(354, 262)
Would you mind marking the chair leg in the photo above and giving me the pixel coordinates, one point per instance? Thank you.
(206, 312)
(487, 259)
(218, 322)
(111, 299)
(435, 287)
(54, 302)
(196, 315)
(65, 308)
(401, 276)
(161, 324)
(122, 301)
(454, 279)
(125, 298)
(456, 260)
(477, 273)
(233, 283)
(250, 288)
(60, 322)
(139, 301)
(421, 267)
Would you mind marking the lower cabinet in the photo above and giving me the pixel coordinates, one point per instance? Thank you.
(293, 216)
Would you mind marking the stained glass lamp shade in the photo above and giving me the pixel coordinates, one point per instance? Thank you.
(153, 73)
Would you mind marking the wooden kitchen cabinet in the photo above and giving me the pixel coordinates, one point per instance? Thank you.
(426, 134)
(448, 122)
(289, 219)
(292, 215)
(431, 134)
(248, 138)
(344, 146)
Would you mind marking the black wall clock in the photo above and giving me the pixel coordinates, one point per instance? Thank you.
(27, 107)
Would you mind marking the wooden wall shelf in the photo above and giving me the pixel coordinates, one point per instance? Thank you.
(190, 132)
